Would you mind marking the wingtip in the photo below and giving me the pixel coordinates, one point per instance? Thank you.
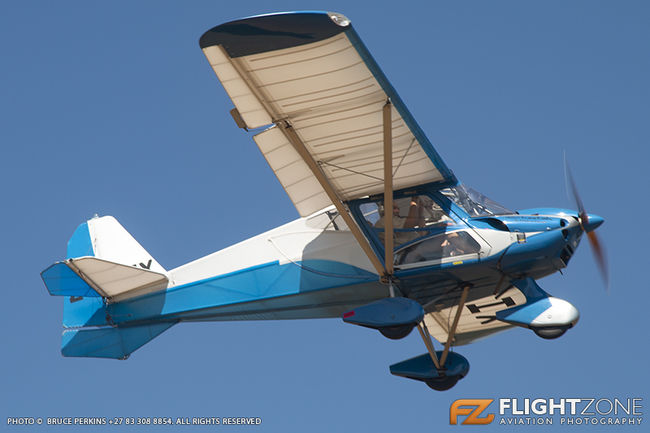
(270, 32)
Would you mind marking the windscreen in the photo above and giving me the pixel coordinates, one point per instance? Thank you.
(473, 202)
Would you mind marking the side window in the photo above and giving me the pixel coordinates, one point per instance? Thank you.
(413, 217)
(370, 212)
(438, 247)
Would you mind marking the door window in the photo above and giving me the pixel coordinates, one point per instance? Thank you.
(438, 247)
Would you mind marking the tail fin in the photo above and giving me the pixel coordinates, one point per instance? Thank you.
(105, 238)
(104, 265)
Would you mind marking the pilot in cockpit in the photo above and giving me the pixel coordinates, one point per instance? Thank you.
(413, 219)
(423, 212)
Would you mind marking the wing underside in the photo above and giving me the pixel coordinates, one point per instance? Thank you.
(311, 72)
(477, 319)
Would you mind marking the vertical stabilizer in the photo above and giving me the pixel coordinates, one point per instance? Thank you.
(105, 238)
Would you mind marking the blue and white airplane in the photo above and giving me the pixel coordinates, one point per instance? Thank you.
(387, 238)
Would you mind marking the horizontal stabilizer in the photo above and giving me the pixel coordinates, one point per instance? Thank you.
(60, 280)
(90, 276)
(111, 342)
(115, 280)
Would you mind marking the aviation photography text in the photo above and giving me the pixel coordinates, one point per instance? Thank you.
(548, 411)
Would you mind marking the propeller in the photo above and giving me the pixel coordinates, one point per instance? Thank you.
(589, 225)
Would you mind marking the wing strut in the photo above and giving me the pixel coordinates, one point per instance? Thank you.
(388, 191)
(388, 195)
(299, 146)
(426, 337)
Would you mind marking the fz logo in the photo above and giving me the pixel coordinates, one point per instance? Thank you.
(464, 407)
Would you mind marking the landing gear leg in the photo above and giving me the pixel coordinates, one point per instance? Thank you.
(448, 368)
(426, 337)
(452, 331)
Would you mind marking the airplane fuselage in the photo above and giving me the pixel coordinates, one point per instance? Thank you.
(309, 269)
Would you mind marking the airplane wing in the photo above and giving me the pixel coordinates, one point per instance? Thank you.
(308, 77)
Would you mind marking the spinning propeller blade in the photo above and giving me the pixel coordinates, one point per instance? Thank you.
(589, 227)
(599, 255)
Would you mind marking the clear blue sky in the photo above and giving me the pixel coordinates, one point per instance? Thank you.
(111, 108)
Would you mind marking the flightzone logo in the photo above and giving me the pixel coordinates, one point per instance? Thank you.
(464, 407)
(547, 411)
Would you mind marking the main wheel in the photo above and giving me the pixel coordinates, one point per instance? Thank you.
(396, 332)
(550, 333)
(442, 383)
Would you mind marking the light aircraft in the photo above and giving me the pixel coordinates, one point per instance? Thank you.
(388, 238)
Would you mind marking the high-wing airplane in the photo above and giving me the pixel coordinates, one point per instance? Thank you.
(388, 238)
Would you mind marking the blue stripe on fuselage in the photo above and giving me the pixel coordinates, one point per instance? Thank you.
(266, 281)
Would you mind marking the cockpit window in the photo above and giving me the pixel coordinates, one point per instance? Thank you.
(473, 202)
(450, 244)
(413, 217)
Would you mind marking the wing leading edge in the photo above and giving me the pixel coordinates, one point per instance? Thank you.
(310, 72)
